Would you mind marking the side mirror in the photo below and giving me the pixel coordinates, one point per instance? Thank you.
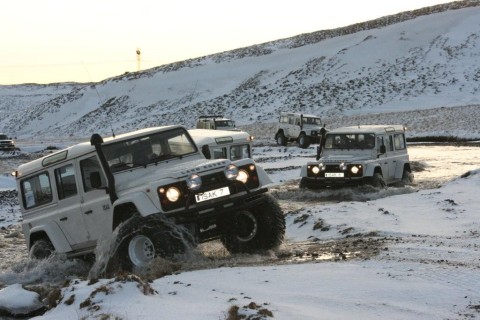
(95, 180)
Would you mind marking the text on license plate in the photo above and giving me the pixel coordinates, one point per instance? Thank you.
(333, 174)
(212, 194)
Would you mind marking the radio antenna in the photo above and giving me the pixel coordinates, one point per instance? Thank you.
(99, 98)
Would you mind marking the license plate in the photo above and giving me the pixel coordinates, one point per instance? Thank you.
(334, 175)
(212, 194)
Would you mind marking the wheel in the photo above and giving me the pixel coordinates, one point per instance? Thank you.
(281, 139)
(377, 181)
(41, 249)
(141, 240)
(257, 229)
(303, 141)
(407, 177)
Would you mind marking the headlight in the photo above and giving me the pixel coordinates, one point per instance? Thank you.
(354, 169)
(315, 170)
(194, 182)
(231, 172)
(172, 194)
(242, 176)
(343, 166)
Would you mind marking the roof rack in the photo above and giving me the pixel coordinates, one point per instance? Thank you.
(211, 116)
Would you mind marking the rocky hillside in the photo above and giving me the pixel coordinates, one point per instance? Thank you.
(425, 61)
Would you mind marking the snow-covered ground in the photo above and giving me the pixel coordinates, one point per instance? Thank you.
(399, 253)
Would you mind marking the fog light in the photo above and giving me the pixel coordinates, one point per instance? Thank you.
(194, 182)
(231, 172)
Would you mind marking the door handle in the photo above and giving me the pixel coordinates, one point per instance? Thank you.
(88, 212)
(63, 219)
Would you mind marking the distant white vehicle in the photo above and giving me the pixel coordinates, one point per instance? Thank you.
(373, 154)
(223, 144)
(6, 143)
(154, 189)
(301, 128)
(215, 122)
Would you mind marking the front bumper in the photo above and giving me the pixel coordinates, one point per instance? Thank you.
(318, 183)
(218, 207)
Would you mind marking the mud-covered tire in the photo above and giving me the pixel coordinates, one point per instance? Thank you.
(141, 239)
(303, 141)
(255, 230)
(407, 177)
(41, 249)
(377, 181)
(281, 139)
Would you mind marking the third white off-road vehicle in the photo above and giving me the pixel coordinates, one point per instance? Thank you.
(375, 155)
(155, 189)
(301, 128)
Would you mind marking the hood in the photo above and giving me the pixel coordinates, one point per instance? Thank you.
(177, 170)
(344, 158)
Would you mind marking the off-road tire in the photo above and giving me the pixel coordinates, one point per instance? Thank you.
(255, 230)
(41, 249)
(141, 239)
(281, 139)
(303, 141)
(377, 181)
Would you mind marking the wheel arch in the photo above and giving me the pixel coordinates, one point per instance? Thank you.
(53, 234)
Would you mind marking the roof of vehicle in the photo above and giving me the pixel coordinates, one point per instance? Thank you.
(206, 136)
(378, 129)
(298, 114)
(82, 149)
(214, 117)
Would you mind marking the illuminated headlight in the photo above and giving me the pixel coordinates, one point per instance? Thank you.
(242, 176)
(354, 169)
(231, 172)
(194, 182)
(315, 170)
(172, 194)
(343, 166)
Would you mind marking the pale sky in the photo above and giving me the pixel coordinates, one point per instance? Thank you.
(45, 41)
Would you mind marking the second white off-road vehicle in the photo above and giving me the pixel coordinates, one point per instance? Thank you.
(301, 128)
(375, 154)
(154, 189)
(216, 122)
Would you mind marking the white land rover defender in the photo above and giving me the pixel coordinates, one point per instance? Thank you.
(220, 144)
(216, 122)
(372, 154)
(302, 128)
(155, 188)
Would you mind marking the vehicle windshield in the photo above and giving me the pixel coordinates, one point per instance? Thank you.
(148, 149)
(3, 137)
(312, 121)
(350, 141)
(224, 123)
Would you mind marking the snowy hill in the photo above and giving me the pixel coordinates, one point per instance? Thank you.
(422, 67)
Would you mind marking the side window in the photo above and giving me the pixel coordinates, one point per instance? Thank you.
(90, 169)
(219, 153)
(36, 190)
(65, 179)
(290, 120)
(400, 141)
(239, 152)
